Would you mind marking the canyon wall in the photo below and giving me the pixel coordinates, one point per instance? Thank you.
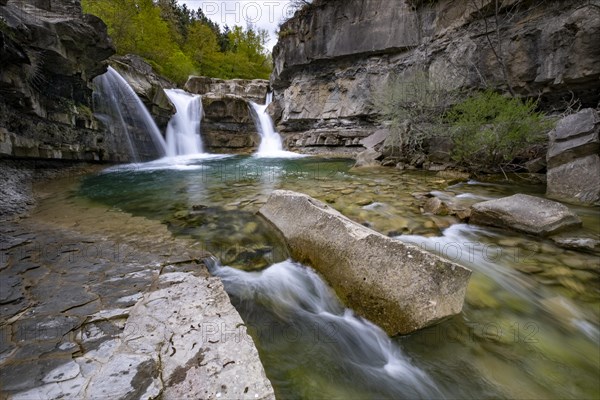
(333, 56)
(49, 53)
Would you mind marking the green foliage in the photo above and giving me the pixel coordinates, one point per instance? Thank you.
(412, 106)
(489, 130)
(179, 42)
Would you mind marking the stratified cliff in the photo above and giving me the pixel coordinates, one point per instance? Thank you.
(334, 55)
(49, 53)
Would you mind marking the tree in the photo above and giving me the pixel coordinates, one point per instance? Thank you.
(178, 41)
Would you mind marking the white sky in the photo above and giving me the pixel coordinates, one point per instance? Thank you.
(265, 14)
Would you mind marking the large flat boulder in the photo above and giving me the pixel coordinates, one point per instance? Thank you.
(524, 213)
(396, 285)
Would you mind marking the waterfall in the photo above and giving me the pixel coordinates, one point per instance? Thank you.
(271, 144)
(124, 114)
(183, 131)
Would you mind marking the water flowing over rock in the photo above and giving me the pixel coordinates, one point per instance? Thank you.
(148, 85)
(333, 55)
(574, 158)
(126, 117)
(270, 145)
(525, 213)
(183, 131)
(227, 126)
(397, 286)
(50, 52)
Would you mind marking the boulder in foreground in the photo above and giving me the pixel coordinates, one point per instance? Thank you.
(398, 286)
(524, 213)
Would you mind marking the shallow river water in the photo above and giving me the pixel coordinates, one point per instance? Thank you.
(530, 323)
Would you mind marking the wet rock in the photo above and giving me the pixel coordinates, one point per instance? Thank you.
(524, 213)
(227, 123)
(398, 286)
(435, 206)
(573, 158)
(580, 241)
(148, 85)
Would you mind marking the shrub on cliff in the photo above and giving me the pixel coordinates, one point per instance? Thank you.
(416, 100)
(489, 130)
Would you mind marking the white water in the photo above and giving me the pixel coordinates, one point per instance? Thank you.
(292, 298)
(183, 131)
(475, 248)
(119, 107)
(271, 144)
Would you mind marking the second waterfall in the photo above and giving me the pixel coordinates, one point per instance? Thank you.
(183, 131)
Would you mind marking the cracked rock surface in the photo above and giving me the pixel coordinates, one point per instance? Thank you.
(99, 304)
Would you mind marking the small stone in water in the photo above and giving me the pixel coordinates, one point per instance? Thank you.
(363, 201)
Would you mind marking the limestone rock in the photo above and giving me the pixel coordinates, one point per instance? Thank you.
(251, 89)
(336, 56)
(435, 206)
(368, 158)
(227, 125)
(375, 139)
(396, 285)
(573, 158)
(50, 52)
(524, 213)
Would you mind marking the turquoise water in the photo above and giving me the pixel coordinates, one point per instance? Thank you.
(529, 327)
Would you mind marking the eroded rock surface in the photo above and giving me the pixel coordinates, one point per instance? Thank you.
(227, 126)
(99, 304)
(525, 213)
(333, 56)
(574, 158)
(398, 286)
(49, 53)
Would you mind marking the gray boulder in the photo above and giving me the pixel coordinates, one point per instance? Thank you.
(573, 159)
(368, 158)
(396, 285)
(524, 213)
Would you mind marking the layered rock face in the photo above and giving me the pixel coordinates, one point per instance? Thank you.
(574, 158)
(333, 56)
(49, 53)
(227, 125)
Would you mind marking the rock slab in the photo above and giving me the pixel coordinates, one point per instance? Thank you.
(396, 285)
(524, 213)
(574, 158)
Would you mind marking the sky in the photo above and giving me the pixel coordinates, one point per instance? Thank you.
(265, 14)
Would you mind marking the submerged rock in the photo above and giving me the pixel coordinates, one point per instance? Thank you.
(524, 213)
(396, 285)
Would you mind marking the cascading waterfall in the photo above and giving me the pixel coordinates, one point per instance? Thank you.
(291, 298)
(271, 144)
(122, 111)
(183, 131)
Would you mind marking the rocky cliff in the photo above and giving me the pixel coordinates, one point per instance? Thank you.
(49, 53)
(333, 56)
